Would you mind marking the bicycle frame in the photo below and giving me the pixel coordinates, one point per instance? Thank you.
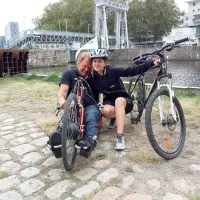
(79, 94)
(79, 89)
(162, 73)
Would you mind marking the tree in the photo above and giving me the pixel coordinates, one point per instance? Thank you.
(137, 23)
(162, 16)
(78, 14)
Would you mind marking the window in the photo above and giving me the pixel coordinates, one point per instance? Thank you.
(186, 18)
(193, 4)
(193, 11)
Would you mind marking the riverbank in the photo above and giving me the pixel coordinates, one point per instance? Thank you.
(29, 171)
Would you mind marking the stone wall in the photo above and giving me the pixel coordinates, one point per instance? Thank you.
(182, 53)
(42, 58)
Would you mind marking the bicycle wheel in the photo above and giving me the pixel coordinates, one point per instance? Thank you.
(167, 137)
(70, 131)
(137, 92)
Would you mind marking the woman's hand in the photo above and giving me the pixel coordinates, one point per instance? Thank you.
(156, 63)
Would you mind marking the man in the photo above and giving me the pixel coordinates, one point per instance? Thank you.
(91, 110)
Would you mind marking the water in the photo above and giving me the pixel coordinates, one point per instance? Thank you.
(184, 73)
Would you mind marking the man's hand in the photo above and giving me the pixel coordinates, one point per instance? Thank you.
(62, 94)
(62, 103)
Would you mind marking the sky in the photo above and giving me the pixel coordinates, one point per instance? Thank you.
(23, 11)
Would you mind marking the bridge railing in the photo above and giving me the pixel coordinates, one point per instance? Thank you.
(19, 39)
(12, 42)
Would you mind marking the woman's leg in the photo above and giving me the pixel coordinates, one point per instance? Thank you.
(117, 112)
(120, 105)
(108, 111)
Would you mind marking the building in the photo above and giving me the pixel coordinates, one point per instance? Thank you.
(11, 30)
(192, 18)
(182, 32)
(2, 41)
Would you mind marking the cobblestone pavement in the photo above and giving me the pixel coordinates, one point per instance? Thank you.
(29, 171)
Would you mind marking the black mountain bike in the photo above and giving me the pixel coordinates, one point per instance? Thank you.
(164, 117)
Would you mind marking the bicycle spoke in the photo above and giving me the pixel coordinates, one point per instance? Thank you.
(167, 139)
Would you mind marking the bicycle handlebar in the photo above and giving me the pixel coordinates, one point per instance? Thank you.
(181, 40)
(170, 46)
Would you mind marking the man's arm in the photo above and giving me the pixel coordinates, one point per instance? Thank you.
(62, 94)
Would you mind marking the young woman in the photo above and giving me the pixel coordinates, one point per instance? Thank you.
(117, 102)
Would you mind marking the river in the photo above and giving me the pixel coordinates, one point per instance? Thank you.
(184, 73)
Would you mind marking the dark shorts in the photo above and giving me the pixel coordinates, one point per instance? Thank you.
(129, 104)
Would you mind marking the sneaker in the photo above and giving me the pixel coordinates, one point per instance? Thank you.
(86, 145)
(120, 142)
(112, 123)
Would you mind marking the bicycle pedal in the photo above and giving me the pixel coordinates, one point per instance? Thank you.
(134, 120)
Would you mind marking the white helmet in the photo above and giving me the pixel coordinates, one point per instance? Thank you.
(99, 53)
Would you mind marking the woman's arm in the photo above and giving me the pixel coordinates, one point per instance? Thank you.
(134, 70)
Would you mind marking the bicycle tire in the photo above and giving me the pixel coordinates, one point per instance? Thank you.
(139, 97)
(167, 148)
(70, 131)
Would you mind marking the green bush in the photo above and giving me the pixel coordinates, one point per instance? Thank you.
(33, 76)
(52, 78)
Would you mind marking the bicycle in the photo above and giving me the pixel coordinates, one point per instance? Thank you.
(164, 117)
(73, 123)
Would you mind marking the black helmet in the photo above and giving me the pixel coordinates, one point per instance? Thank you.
(99, 53)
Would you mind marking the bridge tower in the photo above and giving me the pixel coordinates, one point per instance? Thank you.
(101, 30)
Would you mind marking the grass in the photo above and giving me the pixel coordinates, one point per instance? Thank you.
(48, 125)
(101, 156)
(144, 156)
(190, 153)
(129, 170)
(52, 78)
(195, 197)
(115, 181)
(33, 76)
(3, 174)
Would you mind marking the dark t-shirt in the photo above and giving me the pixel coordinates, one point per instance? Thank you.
(68, 78)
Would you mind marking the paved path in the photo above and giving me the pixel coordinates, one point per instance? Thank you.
(29, 171)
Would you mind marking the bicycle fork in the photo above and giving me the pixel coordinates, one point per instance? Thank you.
(172, 101)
